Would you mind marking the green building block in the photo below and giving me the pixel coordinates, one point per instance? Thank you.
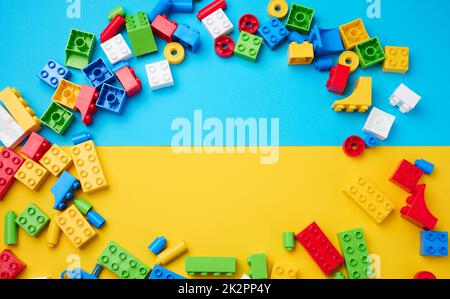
(57, 118)
(300, 18)
(288, 241)
(248, 46)
(79, 48)
(210, 265)
(10, 235)
(140, 34)
(258, 266)
(122, 263)
(32, 220)
(354, 247)
(116, 11)
(339, 275)
(370, 52)
(82, 205)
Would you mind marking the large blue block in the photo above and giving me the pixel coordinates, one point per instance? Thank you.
(98, 73)
(162, 7)
(188, 37)
(53, 72)
(95, 219)
(63, 190)
(111, 99)
(326, 41)
(433, 243)
(182, 6)
(158, 245)
(273, 33)
(159, 272)
(426, 166)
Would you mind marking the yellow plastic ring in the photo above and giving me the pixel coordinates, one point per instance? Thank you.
(350, 59)
(174, 53)
(277, 8)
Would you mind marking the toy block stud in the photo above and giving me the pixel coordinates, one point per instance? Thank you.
(300, 53)
(370, 52)
(337, 82)
(31, 174)
(10, 162)
(433, 243)
(248, 46)
(407, 176)
(32, 220)
(277, 8)
(379, 123)
(98, 73)
(360, 100)
(188, 37)
(111, 99)
(35, 147)
(159, 75)
(283, 271)
(118, 10)
(56, 160)
(353, 33)
(248, 23)
(404, 98)
(210, 8)
(163, 28)
(86, 103)
(129, 81)
(11, 133)
(57, 118)
(354, 247)
(258, 266)
(300, 18)
(210, 265)
(66, 94)
(10, 265)
(116, 49)
(274, 33)
(217, 24)
(63, 190)
(416, 210)
(159, 272)
(113, 28)
(140, 34)
(53, 72)
(397, 60)
(79, 48)
(75, 227)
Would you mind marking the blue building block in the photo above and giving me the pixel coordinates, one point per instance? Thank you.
(189, 38)
(95, 219)
(294, 36)
(77, 273)
(158, 245)
(53, 72)
(97, 270)
(326, 41)
(159, 272)
(111, 99)
(426, 166)
(433, 243)
(63, 190)
(119, 66)
(182, 6)
(98, 73)
(273, 33)
(81, 137)
(371, 141)
(323, 64)
(162, 7)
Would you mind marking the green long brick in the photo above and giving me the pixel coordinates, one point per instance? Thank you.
(370, 52)
(32, 220)
(354, 246)
(300, 18)
(140, 34)
(79, 48)
(210, 265)
(258, 266)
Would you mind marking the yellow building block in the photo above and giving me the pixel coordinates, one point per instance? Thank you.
(397, 59)
(56, 160)
(88, 167)
(283, 271)
(75, 227)
(19, 109)
(350, 59)
(66, 94)
(360, 99)
(300, 53)
(277, 8)
(353, 33)
(370, 199)
(31, 174)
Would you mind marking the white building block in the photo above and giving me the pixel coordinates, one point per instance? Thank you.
(11, 134)
(379, 123)
(116, 49)
(159, 75)
(218, 24)
(404, 98)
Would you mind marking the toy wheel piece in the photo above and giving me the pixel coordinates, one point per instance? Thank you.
(349, 59)
(277, 8)
(248, 23)
(224, 46)
(354, 146)
(174, 53)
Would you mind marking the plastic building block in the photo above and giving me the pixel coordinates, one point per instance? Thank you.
(53, 233)
(273, 33)
(407, 176)
(82, 205)
(339, 275)
(77, 273)
(171, 254)
(19, 110)
(370, 141)
(159, 272)
(129, 81)
(97, 270)
(288, 241)
(57, 118)
(159, 75)
(349, 59)
(188, 37)
(353, 33)
(404, 98)
(258, 266)
(53, 72)
(294, 36)
(116, 11)
(140, 34)
(217, 24)
(113, 28)
(31, 174)
(56, 160)
(88, 167)
(86, 103)
(11, 134)
(174, 53)
(10, 162)
(182, 6)
(320, 248)
(79, 48)
(248, 46)
(370, 52)
(360, 100)
(210, 8)
(66, 94)
(323, 64)
(32, 220)
(379, 123)
(277, 8)
(425, 166)
(210, 265)
(75, 227)
(354, 146)
(416, 210)
(95, 219)
(337, 82)
(300, 18)
(10, 265)
(354, 246)
(163, 28)
(122, 263)
(162, 7)
(63, 190)
(111, 99)
(283, 271)
(81, 137)
(98, 73)
(158, 245)
(300, 53)
(433, 243)
(116, 49)
(35, 147)
(248, 23)
(397, 60)
(424, 275)
(326, 41)
(224, 46)
(10, 226)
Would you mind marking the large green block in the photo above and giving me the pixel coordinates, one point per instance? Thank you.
(370, 52)
(32, 220)
(210, 265)
(140, 34)
(248, 46)
(354, 247)
(57, 118)
(258, 266)
(79, 48)
(300, 18)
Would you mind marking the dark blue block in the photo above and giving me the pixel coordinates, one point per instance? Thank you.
(63, 190)
(53, 72)
(433, 243)
(273, 33)
(189, 38)
(326, 41)
(182, 6)
(111, 99)
(98, 73)
(158, 245)
(159, 272)
(162, 7)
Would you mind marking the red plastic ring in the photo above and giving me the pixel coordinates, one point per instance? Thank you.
(224, 46)
(424, 275)
(354, 146)
(248, 23)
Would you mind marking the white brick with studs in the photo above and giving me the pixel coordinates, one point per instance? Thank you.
(116, 49)
(379, 123)
(11, 134)
(218, 24)
(159, 75)
(404, 98)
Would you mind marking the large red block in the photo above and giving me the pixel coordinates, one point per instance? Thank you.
(416, 210)
(407, 176)
(163, 28)
(130, 82)
(35, 147)
(86, 103)
(113, 28)
(10, 265)
(337, 82)
(10, 162)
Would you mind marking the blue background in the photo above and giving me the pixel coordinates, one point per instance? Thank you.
(33, 31)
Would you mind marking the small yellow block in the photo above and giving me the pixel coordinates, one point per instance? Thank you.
(277, 8)
(397, 60)
(56, 160)
(31, 174)
(300, 53)
(75, 227)
(353, 33)
(283, 271)
(88, 167)
(360, 99)
(370, 199)
(66, 94)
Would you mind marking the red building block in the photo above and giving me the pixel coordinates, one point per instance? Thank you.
(424, 275)
(113, 28)
(248, 23)
(130, 82)
(35, 147)
(407, 176)
(163, 28)
(86, 103)
(417, 211)
(210, 8)
(224, 46)
(10, 162)
(320, 248)
(354, 146)
(337, 82)
(10, 265)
